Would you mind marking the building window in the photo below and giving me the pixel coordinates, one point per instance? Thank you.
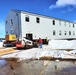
(59, 32)
(59, 22)
(6, 32)
(11, 22)
(54, 32)
(73, 25)
(65, 33)
(37, 20)
(16, 14)
(27, 18)
(73, 33)
(69, 32)
(53, 22)
(69, 24)
(6, 22)
(65, 23)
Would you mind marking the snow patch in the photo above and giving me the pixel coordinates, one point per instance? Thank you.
(62, 44)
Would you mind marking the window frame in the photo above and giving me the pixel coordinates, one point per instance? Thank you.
(54, 33)
(59, 32)
(27, 18)
(37, 20)
(53, 22)
(11, 22)
(65, 23)
(73, 32)
(65, 32)
(73, 25)
(60, 23)
(69, 32)
(6, 22)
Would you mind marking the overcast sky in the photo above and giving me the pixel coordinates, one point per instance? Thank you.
(63, 9)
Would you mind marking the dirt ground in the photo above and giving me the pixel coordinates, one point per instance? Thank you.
(37, 67)
(8, 50)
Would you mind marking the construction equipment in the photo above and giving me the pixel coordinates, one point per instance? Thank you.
(10, 37)
(24, 43)
(10, 40)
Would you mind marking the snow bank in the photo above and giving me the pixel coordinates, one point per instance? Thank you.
(1, 44)
(37, 53)
(62, 44)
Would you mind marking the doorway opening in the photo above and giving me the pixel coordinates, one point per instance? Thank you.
(29, 36)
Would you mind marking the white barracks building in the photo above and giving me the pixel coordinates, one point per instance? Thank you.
(22, 23)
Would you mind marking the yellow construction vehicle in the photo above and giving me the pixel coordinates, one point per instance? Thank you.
(10, 40)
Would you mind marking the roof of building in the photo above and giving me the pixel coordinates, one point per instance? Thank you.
(41, 15)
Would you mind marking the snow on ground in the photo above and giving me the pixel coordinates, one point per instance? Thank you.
(47, 51)
(62, 44)
(37, 53)
(1, 44)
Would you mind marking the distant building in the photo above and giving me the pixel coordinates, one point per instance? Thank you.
(22, 23)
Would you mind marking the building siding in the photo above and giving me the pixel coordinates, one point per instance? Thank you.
(15, 28)
(43, 29)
